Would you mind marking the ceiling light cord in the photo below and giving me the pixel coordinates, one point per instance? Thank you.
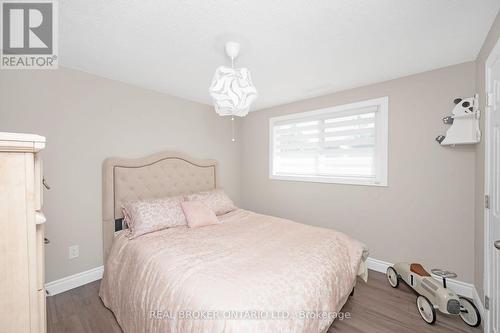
(233, 139)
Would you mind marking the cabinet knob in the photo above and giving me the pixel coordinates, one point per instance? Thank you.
(44, 182)
(46, 240)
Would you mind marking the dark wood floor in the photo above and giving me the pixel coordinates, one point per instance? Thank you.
(375, 307)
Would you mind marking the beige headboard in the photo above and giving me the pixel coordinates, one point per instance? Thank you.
(156, 176)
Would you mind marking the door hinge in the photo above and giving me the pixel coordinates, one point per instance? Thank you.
(487, 201)
(486, 302)
(489, 99)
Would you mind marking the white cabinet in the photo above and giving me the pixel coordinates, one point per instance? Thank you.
(22, 293)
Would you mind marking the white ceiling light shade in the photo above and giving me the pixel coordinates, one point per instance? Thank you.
(232, 89)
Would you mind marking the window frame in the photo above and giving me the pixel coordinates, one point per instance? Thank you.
(381, 147)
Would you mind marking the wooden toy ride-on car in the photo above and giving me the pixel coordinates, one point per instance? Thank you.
(433, 295)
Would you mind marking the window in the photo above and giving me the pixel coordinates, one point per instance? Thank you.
(345, 144)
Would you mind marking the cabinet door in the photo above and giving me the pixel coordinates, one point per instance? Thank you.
(14, 257)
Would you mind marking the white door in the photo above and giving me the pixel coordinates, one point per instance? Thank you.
(493, 243)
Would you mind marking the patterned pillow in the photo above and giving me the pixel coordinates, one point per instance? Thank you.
(217, 200)
(145, 216)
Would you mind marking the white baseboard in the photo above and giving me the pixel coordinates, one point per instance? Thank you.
(73, 281)
(377, 265)
(461, 288)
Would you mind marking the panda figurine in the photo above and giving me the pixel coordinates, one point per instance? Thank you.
(464, 123)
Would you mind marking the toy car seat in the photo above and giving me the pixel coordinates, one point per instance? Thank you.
(418, 269)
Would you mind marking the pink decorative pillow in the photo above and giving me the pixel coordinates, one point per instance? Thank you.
(217, 200)
(144, 216)
(198, 214)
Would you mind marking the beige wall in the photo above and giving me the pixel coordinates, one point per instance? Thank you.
(429, 201)
(487, 47)
(86, 119)
(426, 213)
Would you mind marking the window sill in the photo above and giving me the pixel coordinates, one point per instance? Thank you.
(331, 180)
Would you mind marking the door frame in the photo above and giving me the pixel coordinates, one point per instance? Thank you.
(493, 57)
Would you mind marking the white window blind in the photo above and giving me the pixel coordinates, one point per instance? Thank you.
(345, 144)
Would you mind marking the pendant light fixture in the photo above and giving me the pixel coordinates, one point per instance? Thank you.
(232, 89)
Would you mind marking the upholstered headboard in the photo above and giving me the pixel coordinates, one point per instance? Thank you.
(156, 176)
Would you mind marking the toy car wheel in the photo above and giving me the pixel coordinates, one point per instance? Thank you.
(392, 276)
(469, 313)
(426, 309)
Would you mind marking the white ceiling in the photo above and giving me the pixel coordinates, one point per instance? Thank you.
(295, 49)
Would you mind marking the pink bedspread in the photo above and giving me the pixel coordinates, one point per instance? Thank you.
(252, 273)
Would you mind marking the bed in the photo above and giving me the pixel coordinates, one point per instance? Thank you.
(250, 273)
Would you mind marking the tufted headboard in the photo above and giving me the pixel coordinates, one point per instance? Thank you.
(156, 176)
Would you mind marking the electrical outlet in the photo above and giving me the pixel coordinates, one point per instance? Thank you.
(74, 251)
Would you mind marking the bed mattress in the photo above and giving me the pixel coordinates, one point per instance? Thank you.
(251, 273)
